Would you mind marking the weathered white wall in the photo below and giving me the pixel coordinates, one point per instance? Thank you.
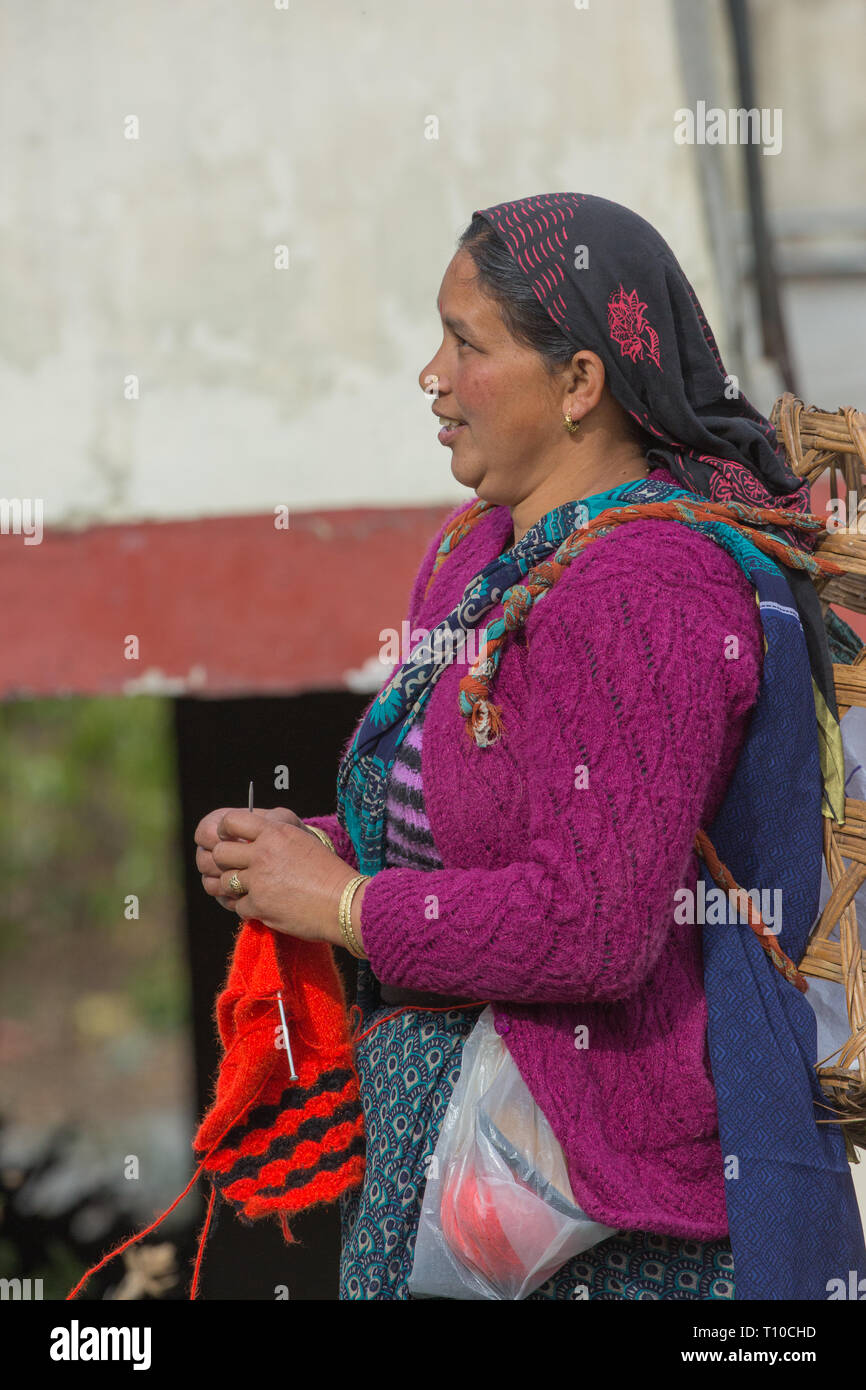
(809, 62)
(306, 126)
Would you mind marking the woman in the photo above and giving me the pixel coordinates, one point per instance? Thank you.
(522, 831)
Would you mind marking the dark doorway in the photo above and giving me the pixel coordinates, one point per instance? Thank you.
(221, 746)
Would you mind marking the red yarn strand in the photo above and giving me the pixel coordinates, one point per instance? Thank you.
(202, 1238)
(153, 1225)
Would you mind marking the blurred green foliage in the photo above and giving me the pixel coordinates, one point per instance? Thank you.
(88, 817)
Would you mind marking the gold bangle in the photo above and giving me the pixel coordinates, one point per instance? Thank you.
(325, 839)
(346, 915)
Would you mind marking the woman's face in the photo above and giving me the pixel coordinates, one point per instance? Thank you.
(509, 407)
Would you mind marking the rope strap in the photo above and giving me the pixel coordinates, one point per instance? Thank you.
(723, 877)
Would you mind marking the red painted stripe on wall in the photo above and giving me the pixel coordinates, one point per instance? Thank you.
(221, 606)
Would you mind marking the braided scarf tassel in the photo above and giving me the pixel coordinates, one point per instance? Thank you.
(484, 719)
(484, 722)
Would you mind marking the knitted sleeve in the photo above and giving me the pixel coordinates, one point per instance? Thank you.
(341, 841)
(637, 702)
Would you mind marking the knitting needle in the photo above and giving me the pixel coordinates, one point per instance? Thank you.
(292, 1072)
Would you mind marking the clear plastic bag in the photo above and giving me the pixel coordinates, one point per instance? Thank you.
(498, 1216)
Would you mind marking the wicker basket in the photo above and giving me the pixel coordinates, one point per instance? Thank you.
(815, 441)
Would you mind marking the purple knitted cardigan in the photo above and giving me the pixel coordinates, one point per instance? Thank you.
(556, 900)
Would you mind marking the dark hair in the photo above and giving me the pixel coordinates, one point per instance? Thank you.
(524, 316)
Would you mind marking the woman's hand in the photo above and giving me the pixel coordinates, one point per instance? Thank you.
(292, 882)
(207, 835)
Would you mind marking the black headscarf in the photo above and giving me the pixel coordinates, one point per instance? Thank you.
(611, 283)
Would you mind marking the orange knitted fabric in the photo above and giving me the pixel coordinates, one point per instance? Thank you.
(270, 1144)
(290, 1144)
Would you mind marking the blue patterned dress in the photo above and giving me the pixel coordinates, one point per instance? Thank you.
(408, 1066)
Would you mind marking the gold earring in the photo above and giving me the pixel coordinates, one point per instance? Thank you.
(571, 425)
